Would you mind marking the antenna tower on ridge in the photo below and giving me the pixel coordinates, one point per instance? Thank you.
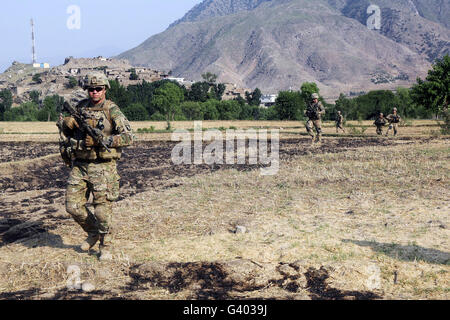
(33, 52)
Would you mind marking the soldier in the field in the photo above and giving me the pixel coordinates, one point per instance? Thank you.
(394, 120)
(94, 168)
(380, 122)
(314, 112)
(339, 122)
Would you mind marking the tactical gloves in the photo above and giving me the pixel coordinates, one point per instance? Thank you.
(91, 142)
(70, 123)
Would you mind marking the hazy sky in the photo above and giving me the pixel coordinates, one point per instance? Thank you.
(82, 28)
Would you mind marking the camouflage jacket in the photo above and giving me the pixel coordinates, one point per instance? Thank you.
(314, 111)
(339, 119)
(113, 124)
(393, 118)
(380, 121)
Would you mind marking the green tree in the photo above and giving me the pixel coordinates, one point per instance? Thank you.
(37, 78)
(216, 91)
(72, 83)
(34, 96)
(209, 77)
(133, 74)
(199, 91)
(307, 89)
(207, 89)
(51, 107)
(157, 117)
(252, 113)
(118, 93)
(369, 105)
(193, 110)
(406, 106)
(228, 110)
(270, 113)
(136, 112)
(253, 98)
(5, 102)
(25, 112)
(168, 99)
(289, 105)
(143, 93)
(433, 92)
(210, 110)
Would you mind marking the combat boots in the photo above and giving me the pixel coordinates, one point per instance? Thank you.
(90, 241)
(105, 250)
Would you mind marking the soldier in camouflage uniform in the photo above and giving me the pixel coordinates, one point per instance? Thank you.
(94, 169)
(339, 122)
(394, 120)
(314, 112)
(380, 122)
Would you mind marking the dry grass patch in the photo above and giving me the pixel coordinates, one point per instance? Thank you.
(321, 228)
(387, 206)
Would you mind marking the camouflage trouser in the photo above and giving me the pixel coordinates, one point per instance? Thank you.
(100, 179)
(379, 130)
(317, 124)
(392, 126)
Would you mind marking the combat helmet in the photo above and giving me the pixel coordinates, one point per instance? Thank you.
(314, 96)
(395, 109)
(95, 79)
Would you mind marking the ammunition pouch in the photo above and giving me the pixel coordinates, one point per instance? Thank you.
(95, 153)
(115, 153)
(66, 151)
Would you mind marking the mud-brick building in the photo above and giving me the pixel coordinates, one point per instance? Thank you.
(232, 92)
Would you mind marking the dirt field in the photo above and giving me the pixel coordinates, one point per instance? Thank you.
(355, 218)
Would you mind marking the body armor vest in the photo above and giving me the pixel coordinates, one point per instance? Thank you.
(313, 111)
(100, 117)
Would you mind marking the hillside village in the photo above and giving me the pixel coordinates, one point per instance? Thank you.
(21, 78)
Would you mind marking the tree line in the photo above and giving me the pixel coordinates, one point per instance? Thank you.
(167, 100)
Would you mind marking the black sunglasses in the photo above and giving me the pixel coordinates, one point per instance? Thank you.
(98, 89)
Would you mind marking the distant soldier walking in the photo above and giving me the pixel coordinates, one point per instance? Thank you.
(380, 122)
(339, 122)
(394, 120)
(314, 112)
(93, 162)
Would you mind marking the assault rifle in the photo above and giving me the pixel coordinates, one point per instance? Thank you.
(312, 112)
(81, 117)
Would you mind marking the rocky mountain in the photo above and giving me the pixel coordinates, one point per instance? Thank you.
(418, 24)
(211, 8)
(278, 44)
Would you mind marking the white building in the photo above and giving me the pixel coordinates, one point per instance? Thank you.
(268, 100)
(41, 65)
(179, 80)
